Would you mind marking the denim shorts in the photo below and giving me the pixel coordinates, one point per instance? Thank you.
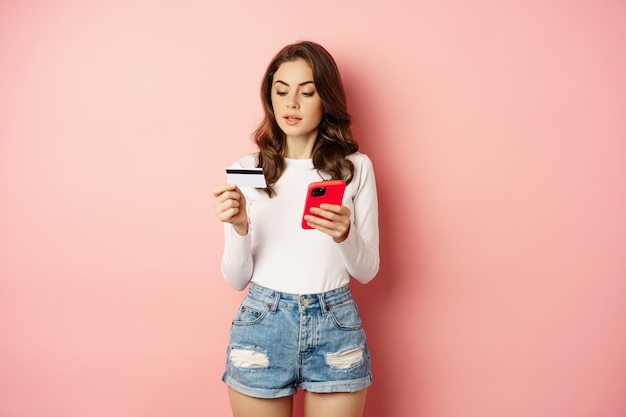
(279, 342)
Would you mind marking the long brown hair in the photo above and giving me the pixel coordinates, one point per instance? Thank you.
(334, 139)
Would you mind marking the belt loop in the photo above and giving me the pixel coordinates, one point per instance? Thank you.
(274, 306)
(322, 299)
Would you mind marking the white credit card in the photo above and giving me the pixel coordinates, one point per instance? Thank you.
(246, 177)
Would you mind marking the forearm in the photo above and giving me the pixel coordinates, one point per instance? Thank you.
(361, 258)
(237, 263)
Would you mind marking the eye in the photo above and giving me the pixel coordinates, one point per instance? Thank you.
(281, 93)
(307, 94)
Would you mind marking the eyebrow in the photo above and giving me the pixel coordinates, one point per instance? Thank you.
(301, 84)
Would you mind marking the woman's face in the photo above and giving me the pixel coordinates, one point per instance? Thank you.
(296, 103)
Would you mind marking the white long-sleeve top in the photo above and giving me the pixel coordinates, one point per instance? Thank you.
(278, 253)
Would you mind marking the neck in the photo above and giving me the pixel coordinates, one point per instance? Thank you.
(299, 148)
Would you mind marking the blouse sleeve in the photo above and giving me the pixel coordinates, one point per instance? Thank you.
(360, 251)
(237, 262)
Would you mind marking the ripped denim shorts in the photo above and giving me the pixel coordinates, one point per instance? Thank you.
(279, 342)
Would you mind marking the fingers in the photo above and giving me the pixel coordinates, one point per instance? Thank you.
(227, 210)
(334, 221)
(228, 201)
(223, 188)
(226, 192)
(332, 212)
(334, 208)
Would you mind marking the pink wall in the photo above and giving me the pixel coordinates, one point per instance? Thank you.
(498, 133)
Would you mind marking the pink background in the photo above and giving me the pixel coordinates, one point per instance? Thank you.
(498, 133)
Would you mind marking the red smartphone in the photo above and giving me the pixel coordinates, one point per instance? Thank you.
(321, 192)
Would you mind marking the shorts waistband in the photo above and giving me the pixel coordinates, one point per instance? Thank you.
(300, 301)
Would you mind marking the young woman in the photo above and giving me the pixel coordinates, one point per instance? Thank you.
(298, 326)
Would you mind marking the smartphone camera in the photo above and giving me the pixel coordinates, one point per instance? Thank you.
(318, 191)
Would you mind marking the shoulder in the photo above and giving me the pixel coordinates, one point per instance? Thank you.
(361, 161)
(247, 161)
(363, 170)
(363, 182)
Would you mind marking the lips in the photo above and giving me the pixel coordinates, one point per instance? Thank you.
(292, 119)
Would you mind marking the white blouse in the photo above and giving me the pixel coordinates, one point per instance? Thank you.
(278, 254)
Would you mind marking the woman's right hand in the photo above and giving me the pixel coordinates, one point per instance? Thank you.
(230, 207)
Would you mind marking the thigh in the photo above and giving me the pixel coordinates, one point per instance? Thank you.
(246, 406)
(336, 404)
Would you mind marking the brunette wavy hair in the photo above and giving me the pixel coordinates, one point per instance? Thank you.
(334, 139)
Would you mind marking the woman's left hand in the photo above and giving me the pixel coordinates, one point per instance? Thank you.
(335, 220)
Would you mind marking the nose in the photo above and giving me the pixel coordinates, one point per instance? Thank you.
(292, 103)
